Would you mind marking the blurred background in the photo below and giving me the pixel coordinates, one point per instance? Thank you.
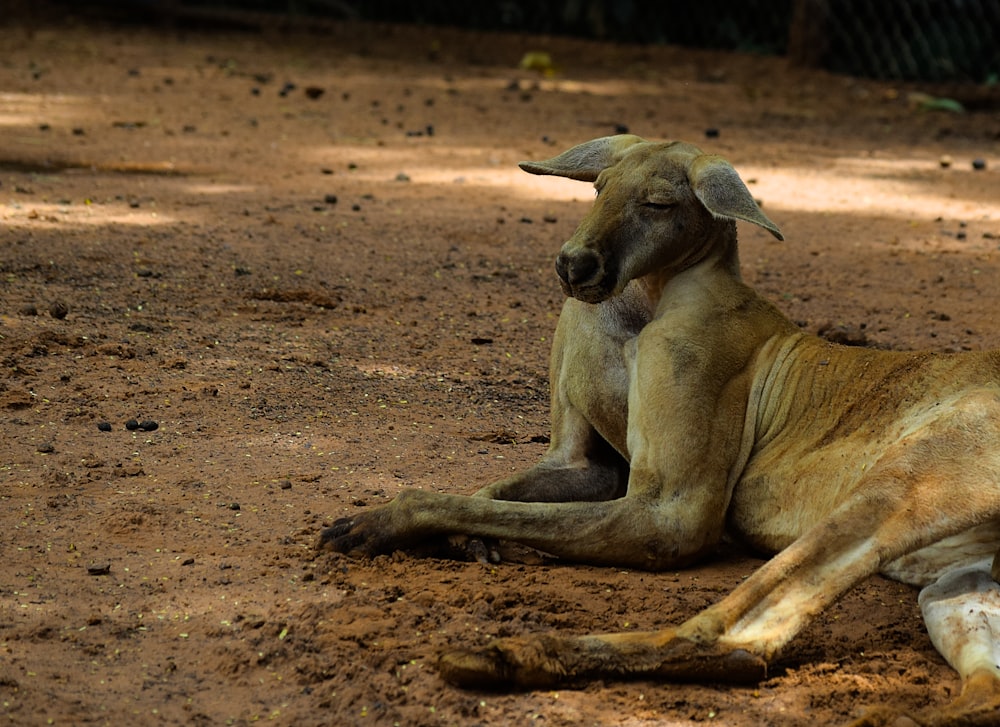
(903, 40)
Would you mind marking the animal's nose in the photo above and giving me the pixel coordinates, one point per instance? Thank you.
(578, 267)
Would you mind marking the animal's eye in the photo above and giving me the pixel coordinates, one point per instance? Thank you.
(657, 205)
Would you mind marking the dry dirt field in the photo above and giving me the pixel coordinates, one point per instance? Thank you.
(310, 259)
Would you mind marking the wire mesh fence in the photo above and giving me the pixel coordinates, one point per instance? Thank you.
(913, 40)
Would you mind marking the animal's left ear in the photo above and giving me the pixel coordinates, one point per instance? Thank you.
(723, 193)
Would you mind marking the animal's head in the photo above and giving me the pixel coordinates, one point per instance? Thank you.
(659, 206)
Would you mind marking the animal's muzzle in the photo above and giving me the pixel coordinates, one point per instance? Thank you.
(578, 268)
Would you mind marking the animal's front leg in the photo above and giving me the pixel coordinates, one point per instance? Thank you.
(377, 530)
(626, 532)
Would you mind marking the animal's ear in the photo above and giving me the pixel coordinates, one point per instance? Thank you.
(723, 193)
(585, 161)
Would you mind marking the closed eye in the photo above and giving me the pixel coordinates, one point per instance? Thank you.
(658, 205)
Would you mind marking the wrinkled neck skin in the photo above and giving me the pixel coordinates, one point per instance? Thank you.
(719, 255)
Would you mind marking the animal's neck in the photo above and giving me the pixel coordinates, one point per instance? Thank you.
(719, 256)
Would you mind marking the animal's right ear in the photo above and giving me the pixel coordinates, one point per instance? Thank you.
(585, 161)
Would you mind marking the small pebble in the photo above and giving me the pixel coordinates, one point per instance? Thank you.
(621, 129)
(712, 133)
(99, 570)
(58, 310)
(131, 425)
(285, 485)
(234, 506)
(46, 448)
(979, 164)
(104, 426)
(945, 161)
(330, 199)
(314, 92)
(148, 426)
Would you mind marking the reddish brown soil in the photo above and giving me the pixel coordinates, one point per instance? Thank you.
(305, 356)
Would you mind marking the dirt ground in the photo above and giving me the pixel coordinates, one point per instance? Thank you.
(312, 262)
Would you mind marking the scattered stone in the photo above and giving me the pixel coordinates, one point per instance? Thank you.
(104, 426)
(979, 164)
(711, 133)
(945, 161)
(402, 177)
(100, 569)
(132, 425)
(330, 199)
(285, 484)
(621, 129)
(314, 92)
(234, 506)
(46, 448)
(148, 426)
(58, 310)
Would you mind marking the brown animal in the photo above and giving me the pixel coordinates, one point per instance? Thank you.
(686, 408)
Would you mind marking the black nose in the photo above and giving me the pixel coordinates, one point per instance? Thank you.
(577, 268)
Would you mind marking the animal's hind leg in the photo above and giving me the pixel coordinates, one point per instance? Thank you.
(730, 641)
(962, 613)
(898, 508)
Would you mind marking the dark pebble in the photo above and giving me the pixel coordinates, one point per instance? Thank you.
(104, 426)
(234, 506)
(44, 127)
(314, 92)
(330, 199)
(148, 426)
(712, 133)
(255, 91)
(99, 570)
(46, 448)
(621, 129)
(356, 207)
(979, 164)
(187, 561)
(58, 310)
(131, 425)
(326, 170)
(286, 485)
(79, 131)
(30, 310)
